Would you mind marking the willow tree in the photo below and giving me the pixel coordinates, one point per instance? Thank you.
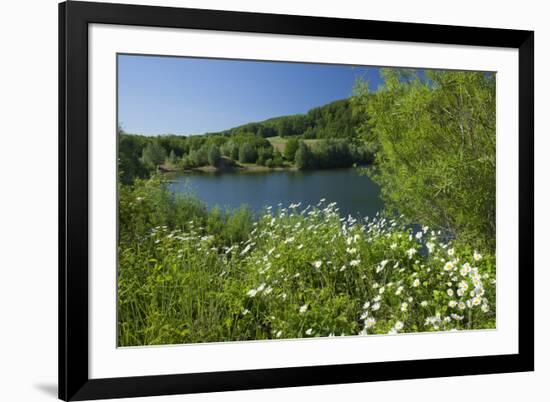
(437, 160)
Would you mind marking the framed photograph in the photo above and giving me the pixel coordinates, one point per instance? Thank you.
(258, 201)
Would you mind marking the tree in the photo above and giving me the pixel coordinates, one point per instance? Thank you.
(172, 158)
(234, 155)
(277, 159)
(153, 154)
(437, 157)
(247, 153)
(291, 147)
(199, 157)
(130, 164)
(214, 155)
(304, 157)
(264, 154)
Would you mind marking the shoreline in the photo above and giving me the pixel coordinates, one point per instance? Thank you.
(244, 168)
(247, 169)
(230, 169)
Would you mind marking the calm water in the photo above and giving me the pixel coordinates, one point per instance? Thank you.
(354, 193)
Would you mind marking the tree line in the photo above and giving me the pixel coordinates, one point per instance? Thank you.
(334, 124)
(333, 120)
(333, 153)
(140, 156)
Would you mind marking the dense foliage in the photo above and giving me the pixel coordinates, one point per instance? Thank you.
(437, 160)
(333, 120)
(190, 275)
(330, 154)
(141, 156)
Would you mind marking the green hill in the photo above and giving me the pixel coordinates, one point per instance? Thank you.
(333, 120)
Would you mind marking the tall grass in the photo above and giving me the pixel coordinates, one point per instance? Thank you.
(189, 275)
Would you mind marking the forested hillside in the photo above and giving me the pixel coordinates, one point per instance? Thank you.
(324, 137)
(333, 120)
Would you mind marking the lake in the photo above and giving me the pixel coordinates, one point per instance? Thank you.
(355, 194)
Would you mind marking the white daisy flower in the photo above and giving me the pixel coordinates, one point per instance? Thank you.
(476, 301)
(411, 252)
(466, 269)
(463, 285)
(477, 256)
(449, 266)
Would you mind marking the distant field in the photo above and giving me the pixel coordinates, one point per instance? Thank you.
(279, 142)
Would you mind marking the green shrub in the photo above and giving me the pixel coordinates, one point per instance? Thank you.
(437, 158)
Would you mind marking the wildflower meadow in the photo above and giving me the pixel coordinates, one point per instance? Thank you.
(294, 271)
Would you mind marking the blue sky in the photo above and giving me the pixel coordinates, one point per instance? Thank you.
(159, 95)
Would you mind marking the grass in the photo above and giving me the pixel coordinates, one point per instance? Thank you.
(279, 142)
(188, 275)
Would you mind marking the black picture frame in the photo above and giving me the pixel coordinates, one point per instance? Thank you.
(74, 381)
